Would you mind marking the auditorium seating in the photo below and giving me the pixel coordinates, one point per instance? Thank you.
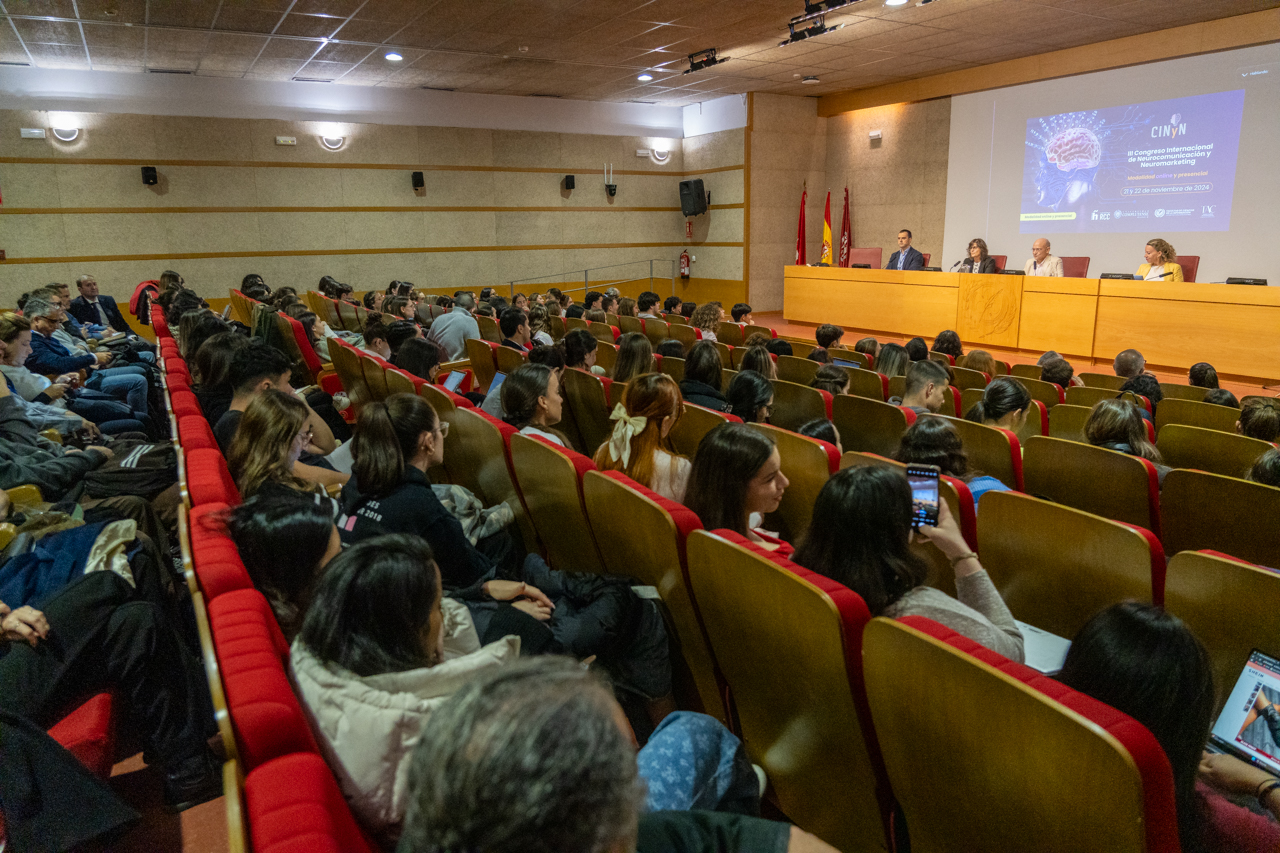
(859, 358)
(606, 357)
(603, 332)
(1190, 266)
(489, 330)
(1085, 395)
(795, 405)
(872, 257)
(475, 456)
(1103, 380)
(730, 333)
(1000, 260)
(1209, 450)
(1231, 605)
(1026, 371)
(346, 361)
(792, 368)
(965, 378)
(683, 332)
(1067, 421)
(868, 383)
(483, 365)
(1056, 567)
(508, 359)
(870, 425)
(293, 804)
(375, 376)
(587, 397)
(1104, 482)
(658, 559)
(1046, 392)
(1175, 391)
(808, 463)
(1075, 267)
(550, 479)
(694, 424)
(789, 644)
(1202, 511)
(970, 738)
(994, 451)
(1191, 413)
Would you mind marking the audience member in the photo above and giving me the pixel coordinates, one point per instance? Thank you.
(399, 332)
(860, 536)
(1045, 357)
(609, 304)
(672, 305)
(375, 338)
(892, 360)
(759, 360)
(707, 319)
(1005, 403)
(917, 349)
(823, 430)
(1118, 425)
(516, 333)
(1146, 385)
(596, 315)
(627, 307)
(535, 757)
(484, 309)
(213, 371)
(702, 377)
(1260, 419)
(1221, 397)
(1128, 363)
(687, 309)
(671, 348)
(750, 397)
(1058, 371)
(580, 350)
(647, 305)
(539, 326)
(532, 401)
(419, 357)
(819, 355)
(948, 343)
(926, 388)
(757, 339)
(635, 357)
(736, 480)
(982, 361)
(828, 336)
(934, 441)
(1202, 375)
(451, 331)
(269, 440)
(592, 300)
(778, 346)
(1267, 469)
(284, 541)
(867, 346)
(573, 312)
(373, 300)
(831, 378)
(91, 306)
(1142, 661)
(640, 445)
(741, 313)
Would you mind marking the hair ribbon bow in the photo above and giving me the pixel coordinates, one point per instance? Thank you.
(623, 431)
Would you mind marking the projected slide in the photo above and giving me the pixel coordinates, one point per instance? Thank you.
(1162, 166)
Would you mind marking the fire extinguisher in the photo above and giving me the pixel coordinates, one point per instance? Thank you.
(684, 265)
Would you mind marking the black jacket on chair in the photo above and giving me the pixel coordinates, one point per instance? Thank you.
(82, 309)
(915, 260)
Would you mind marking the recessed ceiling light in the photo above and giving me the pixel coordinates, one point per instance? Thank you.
(810, 80)
(645, 78)
(394, 57)
(895, 2)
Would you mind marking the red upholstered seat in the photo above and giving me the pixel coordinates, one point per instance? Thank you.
(1075, 267)
(294, 806)
(214, 556)
(89, 733)
(1161, 823)
(1043, 419)
(1190, 265)
(208, 478)
(1000, 260)
(252, 654)
(194, 433)
(185, 403)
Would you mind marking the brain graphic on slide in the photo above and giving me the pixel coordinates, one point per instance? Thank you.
(1073, 148)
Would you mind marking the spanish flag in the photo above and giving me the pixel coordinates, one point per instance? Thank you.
(826, 233)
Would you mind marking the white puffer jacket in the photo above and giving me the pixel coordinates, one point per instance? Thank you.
(368, 727)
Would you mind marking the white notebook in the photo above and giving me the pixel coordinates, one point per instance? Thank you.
(1044, 651)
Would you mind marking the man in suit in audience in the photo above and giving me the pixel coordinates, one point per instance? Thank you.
(516, 334)
(1043, 263)
(906, 258)
(92, 307)
(452, 331)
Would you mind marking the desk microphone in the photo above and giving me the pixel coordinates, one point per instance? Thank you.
(955, 265)
(1165, 274)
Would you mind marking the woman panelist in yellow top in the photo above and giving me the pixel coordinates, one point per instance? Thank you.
(1160, 265)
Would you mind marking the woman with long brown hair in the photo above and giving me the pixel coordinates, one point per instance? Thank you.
(640, 445)
(635, 357)
(268, 442)
(1118, 425)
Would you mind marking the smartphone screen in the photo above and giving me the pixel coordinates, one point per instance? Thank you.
(453, 380)
(923, 480)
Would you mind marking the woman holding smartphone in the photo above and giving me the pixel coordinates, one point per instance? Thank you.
(860, 536)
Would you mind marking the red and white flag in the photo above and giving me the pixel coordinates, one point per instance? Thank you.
(800, 260)
(846, 233)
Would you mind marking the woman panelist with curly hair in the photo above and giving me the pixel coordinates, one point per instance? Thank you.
(1160, 265)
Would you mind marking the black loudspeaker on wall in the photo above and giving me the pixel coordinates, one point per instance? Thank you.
(418, 182)
(149, 176)
(568, 182)
(693, 198)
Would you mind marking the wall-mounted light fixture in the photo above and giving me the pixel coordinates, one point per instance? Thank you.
(333, 143)
(66, 134)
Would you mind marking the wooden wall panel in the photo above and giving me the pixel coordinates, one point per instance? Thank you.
(989, 308)
(876, 300)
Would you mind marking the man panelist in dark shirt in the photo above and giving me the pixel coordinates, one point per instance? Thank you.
(906, 258)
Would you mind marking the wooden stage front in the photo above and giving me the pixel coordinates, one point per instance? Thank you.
(1235, 328)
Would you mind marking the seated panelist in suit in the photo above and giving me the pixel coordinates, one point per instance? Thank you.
(906, 258)
(95, 308)
(1042, 263)
(1160, 265)
(978, 261)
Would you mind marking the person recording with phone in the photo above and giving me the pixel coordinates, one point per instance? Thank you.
(861, 536)
(1161, 262)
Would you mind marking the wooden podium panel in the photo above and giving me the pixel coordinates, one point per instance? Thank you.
(876, 300)
(1236, 328)
(1058, 314)
(989, 308)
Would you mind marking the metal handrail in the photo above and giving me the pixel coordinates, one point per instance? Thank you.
(586, 276)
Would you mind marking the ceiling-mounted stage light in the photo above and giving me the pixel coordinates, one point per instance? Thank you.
(826, 5)
(704, 59)
(815, 17)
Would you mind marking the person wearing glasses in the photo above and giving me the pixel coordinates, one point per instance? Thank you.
(978, 261)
